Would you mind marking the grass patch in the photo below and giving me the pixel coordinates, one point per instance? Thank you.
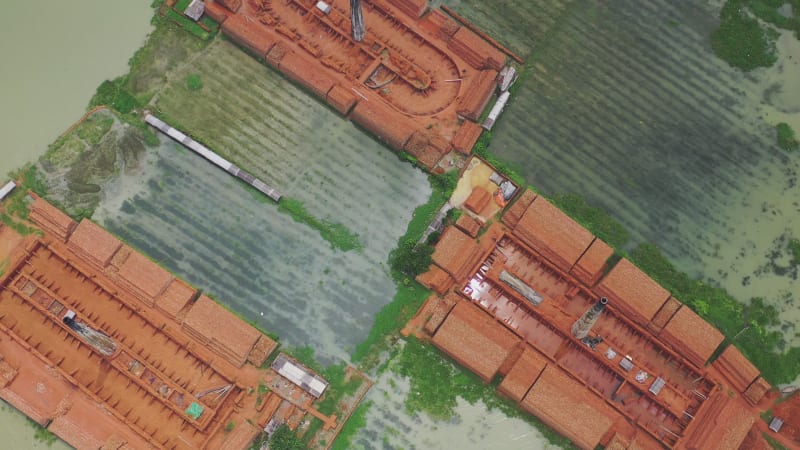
(114, 94)
(595, 219)
(774, 443)
(481, 149)
(787, 140)
(336, 234)
(740, 40)
(94, 128)
(754, 323)
(42, 434)
(437, 383)
(356, 422)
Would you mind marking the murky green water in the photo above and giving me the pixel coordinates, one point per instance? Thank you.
(54, 55)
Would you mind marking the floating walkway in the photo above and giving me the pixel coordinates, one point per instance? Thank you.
(219, 161)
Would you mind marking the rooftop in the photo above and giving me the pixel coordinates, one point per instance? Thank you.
(736, 368)
(144, 274)
(592, 263)
(98, 244)
(455, 252)
(523, 373)
(215, 323)
(632, 292)
(689, 334)
(570, 408)
(475, 339)
(554, 234)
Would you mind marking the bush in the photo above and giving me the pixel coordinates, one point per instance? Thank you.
(111, 93)
(193, 82)
(740, 40)
(411, 258)
(786, 137)
(284, 439)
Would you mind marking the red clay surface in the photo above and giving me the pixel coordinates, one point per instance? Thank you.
(412, 73)
(698, 406)
(159, 350)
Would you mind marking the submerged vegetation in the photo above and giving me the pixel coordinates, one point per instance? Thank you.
(787, 139)
(336, 234)
(597, 220)
(745, 38)
(794, 247)
(740, 39)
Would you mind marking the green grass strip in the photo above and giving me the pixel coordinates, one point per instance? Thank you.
(336, 234)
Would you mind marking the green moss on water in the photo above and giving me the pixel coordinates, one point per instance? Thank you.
(741, 40)
(794, 247)
(338, 235)
(786, 137)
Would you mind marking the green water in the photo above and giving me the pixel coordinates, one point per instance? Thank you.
(54, 55)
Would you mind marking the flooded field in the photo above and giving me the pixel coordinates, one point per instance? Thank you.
(626, 104)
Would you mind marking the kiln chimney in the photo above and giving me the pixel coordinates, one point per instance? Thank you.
(357, 21)
(581, 327)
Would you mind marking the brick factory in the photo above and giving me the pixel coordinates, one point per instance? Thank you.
(106, 349)
(605, 356)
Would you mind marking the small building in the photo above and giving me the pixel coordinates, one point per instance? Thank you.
(299, 375)
(776, 424)
(474, 339)
(195, 10)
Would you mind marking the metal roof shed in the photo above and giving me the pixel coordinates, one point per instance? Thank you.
(195, 10)
(299, 375)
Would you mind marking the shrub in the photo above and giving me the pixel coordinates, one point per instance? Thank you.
(193, 82)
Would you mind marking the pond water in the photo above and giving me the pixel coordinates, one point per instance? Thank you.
(54, 55)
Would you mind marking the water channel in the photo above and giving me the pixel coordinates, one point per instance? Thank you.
(54, 55)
